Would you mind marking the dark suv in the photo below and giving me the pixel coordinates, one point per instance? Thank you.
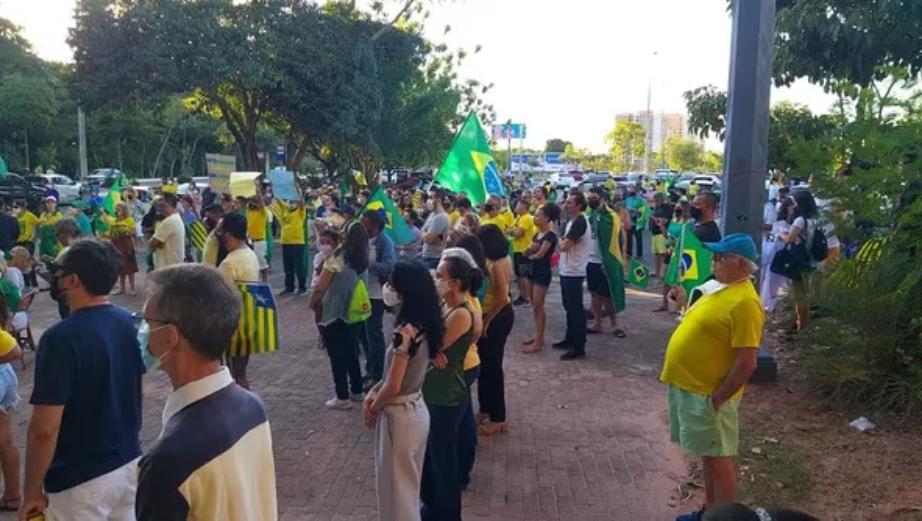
(14, 187)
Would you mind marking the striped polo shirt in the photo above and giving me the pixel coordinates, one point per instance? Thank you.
(213, 459)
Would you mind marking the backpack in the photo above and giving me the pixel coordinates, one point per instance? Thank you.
(359, 304)
(819, 249)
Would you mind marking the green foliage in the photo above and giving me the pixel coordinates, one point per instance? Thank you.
(707, 109)
(846, 40)
(556, 145)
(627, 142)
(683, 154)
(865, 346)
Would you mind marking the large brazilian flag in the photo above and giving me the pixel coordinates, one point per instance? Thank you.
(469, 166)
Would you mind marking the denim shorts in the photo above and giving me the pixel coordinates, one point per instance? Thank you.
(9, 385)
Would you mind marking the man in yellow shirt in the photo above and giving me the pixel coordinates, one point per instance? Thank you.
(492, 214)
(27, 222)
(709, 358)
(521, 233)
(257, 217)
(293, 238)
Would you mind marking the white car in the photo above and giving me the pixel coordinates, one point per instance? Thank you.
(69, 189)
(703, 181)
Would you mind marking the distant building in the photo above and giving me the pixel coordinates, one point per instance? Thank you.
(660, 127)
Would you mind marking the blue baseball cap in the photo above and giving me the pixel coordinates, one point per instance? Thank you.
(737, 243)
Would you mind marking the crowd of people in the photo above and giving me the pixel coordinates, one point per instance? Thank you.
(453, 291)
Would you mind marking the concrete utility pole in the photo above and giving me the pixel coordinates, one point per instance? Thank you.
(748, 104)
(81, 139)
(746, 152)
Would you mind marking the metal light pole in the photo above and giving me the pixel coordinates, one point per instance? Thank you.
(81, 139)
(648, 142)
(746, 152)
(748, 103)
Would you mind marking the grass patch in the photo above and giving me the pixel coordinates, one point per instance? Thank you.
(770, 472)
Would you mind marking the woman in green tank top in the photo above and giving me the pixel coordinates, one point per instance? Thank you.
(445, 392)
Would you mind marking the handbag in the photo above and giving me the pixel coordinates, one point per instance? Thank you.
(792, 260)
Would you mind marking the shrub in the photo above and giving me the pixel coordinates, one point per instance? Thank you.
(865, 345)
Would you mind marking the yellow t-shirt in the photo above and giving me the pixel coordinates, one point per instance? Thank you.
(210, 252)
(499, 221)
(119, 227)
(701, 352)
(256, 224)
(27, 222)
(527, 224)
(508, 217)
(169, 189)
(8, 343)
(471, 358)
(291, 221)
(50, 219)
(693, 190)
(240, 265)
(453, 216)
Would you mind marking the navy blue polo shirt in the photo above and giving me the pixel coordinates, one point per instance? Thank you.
(90, 364)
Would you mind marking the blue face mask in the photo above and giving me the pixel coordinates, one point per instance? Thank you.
(151, 362)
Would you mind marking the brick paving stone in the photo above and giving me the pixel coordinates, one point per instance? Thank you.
(587, 440)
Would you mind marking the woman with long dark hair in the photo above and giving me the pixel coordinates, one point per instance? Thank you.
(445, 392)
(498, 318)
(341, 273)
(395, 405)
(802, 230)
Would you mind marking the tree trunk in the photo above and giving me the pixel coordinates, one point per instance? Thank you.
(294, 163)
(160, 154)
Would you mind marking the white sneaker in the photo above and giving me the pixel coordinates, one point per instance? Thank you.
(336, 403)
(359, 397)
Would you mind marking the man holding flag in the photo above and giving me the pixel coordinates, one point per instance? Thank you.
(605, 271)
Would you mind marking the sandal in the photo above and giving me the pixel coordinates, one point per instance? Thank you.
(590, 331)
(619, 333)
(661, 309)
(532, 349)
(10, 504)
(490, 428)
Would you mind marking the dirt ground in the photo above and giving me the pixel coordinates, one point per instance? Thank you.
(799, 451)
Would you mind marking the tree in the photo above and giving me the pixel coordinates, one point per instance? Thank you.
(627, 142)
(846, 40)
(556, 145)
(28, 107)
(683, 154)
(707, 110)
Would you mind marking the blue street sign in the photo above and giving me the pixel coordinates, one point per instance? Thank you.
(280, 153)
(509, 131)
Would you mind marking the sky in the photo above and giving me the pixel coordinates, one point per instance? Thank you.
(565, 69)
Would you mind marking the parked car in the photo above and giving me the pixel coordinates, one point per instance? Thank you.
(103, 177)
(69, 189)
(702, 180)
(15, 187)
(592, 180)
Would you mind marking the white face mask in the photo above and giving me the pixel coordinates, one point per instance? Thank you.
(390, 296)
(430, 205)
(441, 286)
(325, 248)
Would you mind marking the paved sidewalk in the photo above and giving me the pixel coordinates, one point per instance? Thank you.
(588, 439)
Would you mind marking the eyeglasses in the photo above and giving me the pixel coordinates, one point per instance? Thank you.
(157, 320)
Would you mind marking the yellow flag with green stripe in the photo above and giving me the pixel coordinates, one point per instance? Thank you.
(258, 330)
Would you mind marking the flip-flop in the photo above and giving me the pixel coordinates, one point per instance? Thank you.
(531, 350)
(619, 333)
(592, 331)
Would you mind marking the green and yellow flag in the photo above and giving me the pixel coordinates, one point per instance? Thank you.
(607, 229)
(397, 228)
(258, 329)
(197, 235)
(469, 166)
(113, 197)
(690, 265)
(639, 274)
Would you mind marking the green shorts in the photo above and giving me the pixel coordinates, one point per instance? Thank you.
(700, 430)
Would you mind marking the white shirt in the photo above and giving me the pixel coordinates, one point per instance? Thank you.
(374, 287)
(573, 263)
(172, 233)
(193, 392)
(240, 265)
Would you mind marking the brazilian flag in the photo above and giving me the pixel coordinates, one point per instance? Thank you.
(639, 274)
(396, 227)
(690, 265)
(606, 226)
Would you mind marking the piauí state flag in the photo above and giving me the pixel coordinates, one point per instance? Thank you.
(113, 197)
(469, 166)
(197, 235)
(607, 229)
(258, 329)
(639, 274)
(3, 168)
(396, 227)
(690, 264)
